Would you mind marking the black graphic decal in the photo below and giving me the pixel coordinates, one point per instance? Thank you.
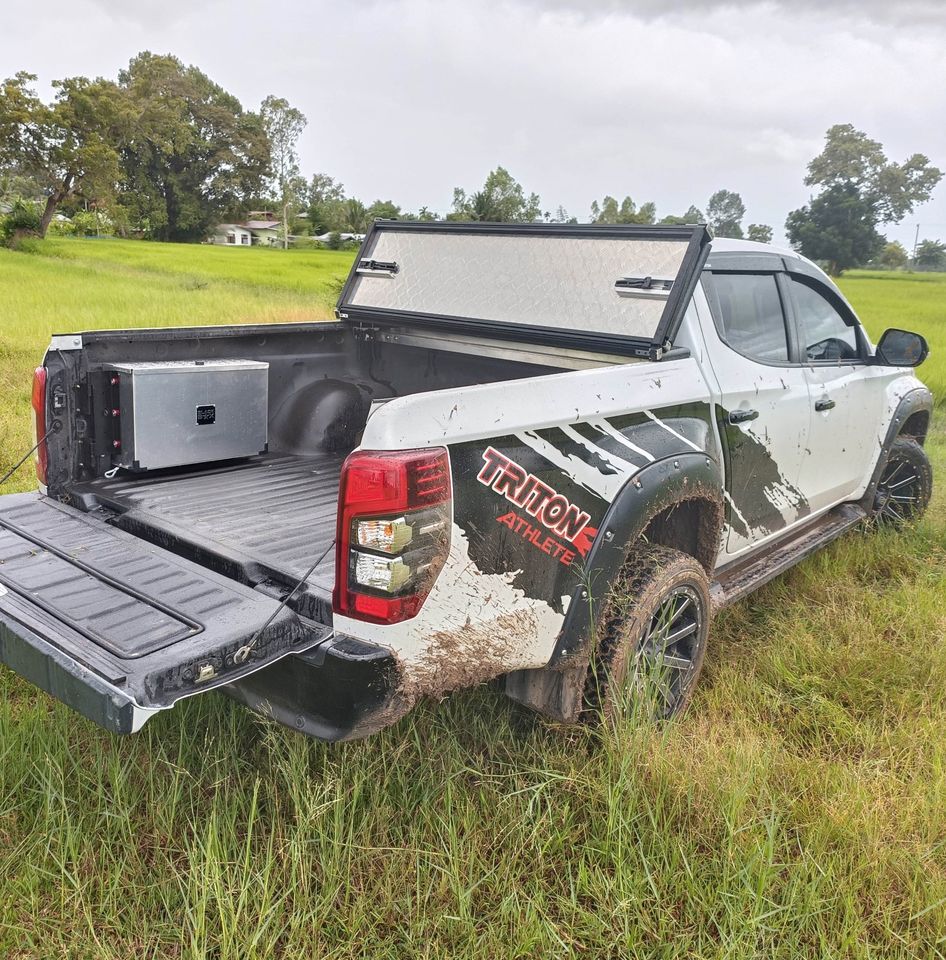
(754, 482)
(572, 448)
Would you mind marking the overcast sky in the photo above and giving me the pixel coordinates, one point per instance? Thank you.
(665, 100)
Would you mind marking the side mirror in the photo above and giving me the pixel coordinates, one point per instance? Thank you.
(900, 348)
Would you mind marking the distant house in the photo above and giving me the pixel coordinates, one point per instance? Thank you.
(232, 234)
(265, 232)
(344, 237)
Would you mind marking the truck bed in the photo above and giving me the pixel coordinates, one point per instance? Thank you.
(266, 519)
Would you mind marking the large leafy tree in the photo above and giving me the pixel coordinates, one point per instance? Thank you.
(502, 199)
(861, 188)
(69, 148)
(609, 211)
(327, 212)
(837, 227)
(196, 155)
(283, 125)
(384, 210)
(931, 255)
(892, 190)
(724, 213)
(893, 256)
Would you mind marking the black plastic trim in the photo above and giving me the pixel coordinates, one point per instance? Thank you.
(344, 689)
(834, 297)
(656, 487)
(878, 359)
(910, 403)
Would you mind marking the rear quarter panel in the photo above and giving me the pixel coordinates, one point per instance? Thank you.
(535, 464)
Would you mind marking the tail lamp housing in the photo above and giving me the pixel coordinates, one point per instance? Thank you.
(394, 513)
(38, 403)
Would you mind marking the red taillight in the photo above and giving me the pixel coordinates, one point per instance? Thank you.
(393, 532)
(41, 455)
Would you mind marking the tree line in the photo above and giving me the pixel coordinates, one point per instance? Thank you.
(166, 153)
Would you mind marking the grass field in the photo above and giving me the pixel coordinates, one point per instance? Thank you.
(798, 810)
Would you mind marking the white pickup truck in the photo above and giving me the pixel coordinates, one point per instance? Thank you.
(542, 454)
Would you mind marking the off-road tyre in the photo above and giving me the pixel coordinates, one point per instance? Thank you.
(905, 485)
(658, 589)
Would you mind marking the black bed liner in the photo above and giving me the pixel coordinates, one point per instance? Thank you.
(117, 627)
(263, 520)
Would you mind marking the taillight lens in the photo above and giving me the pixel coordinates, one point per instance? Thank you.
(393, 532)
(38, 403)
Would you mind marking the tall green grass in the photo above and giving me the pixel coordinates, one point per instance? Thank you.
(73, 285)
(797, 810)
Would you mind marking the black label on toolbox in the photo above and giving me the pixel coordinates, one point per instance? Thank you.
(206, 414)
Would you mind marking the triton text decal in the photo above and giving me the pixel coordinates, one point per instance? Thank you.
(539, 500)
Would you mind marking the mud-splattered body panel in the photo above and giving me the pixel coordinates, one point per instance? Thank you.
(527, 507)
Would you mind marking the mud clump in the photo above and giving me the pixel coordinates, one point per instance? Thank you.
(468, 656)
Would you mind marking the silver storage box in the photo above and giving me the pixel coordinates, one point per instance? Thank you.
(180, 412)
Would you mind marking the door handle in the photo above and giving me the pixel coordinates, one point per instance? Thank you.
(742, 416)
(824, 404)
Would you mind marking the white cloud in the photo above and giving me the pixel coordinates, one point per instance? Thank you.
(664, 100)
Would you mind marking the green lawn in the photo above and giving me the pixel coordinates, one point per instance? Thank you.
(798, 810)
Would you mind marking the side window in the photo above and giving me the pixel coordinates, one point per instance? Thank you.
(751, 315)
(826, 334)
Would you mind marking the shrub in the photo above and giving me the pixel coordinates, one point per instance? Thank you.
(23, 220)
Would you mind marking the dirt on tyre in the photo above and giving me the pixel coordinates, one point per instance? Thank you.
(651, 638)
(905, 485)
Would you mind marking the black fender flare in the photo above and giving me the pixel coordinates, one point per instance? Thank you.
(920, 399)
(556, 689)
(660, 485)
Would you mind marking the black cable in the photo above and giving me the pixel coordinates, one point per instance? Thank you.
(243, 653)
(29, 453)
(54, 428)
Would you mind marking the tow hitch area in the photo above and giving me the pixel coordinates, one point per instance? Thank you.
(118, 628)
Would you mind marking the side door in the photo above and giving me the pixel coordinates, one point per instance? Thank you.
(847, 395)
(764, 412)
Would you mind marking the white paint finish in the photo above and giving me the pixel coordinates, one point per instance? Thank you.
(487, 611)
(469, 615)
(141, 715)
(843, 440)
(780, 395)
(495, 409)
(896, 383)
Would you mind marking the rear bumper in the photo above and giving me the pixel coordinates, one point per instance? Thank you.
(344, 689)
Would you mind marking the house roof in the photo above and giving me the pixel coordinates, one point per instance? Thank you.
(262, 224)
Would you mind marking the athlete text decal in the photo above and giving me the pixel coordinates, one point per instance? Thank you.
(539, 500)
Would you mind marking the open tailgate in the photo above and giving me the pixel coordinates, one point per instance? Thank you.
(616, 288)
(118, 628)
